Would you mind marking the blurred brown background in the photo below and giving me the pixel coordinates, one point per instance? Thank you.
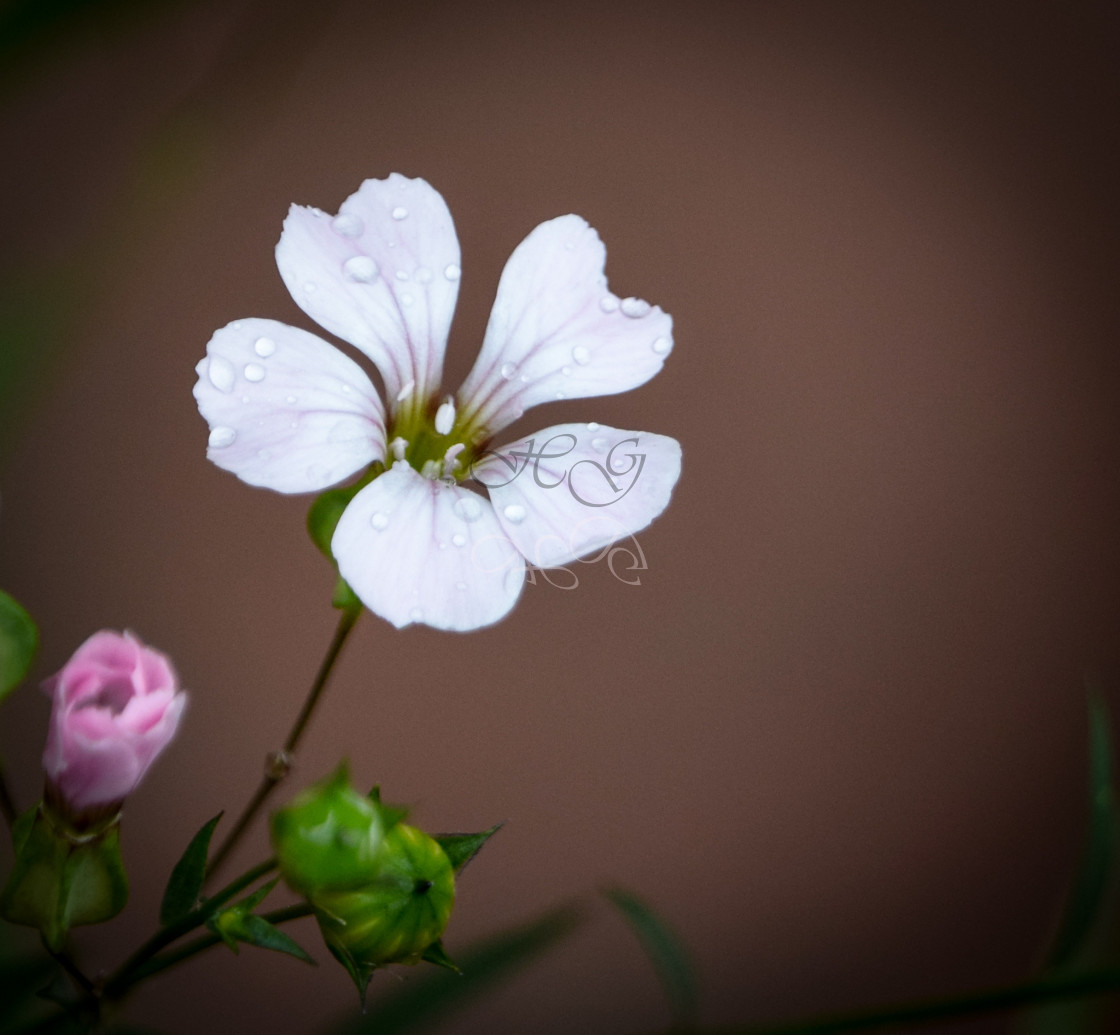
(837, 732)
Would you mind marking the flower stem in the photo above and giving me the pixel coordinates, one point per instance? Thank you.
(278, 764)
(1009, 997)
(203, 942)
(124, 975)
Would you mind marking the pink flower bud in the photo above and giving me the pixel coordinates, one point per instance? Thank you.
(116, 706)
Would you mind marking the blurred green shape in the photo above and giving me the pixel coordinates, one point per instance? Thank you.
(19, 640)
(185, 883)
(665, 950)
(430, 997)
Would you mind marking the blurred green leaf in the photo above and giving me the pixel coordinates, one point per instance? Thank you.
(431, 996)
(19, 640)
(256, 930)
(665, 950)
(185, 883)
(462, 848)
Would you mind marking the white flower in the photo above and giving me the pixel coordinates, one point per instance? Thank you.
(290, 412)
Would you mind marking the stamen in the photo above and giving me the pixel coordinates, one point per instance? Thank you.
(450, 464)
(399, 446)
(406, 391)
(445, 416)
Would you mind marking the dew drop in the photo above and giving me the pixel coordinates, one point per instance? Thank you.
(402, 274)
(515, 513)
(635, 308)
(460, 586)
(416, 614)
(221, 436)
(593, 425)
(400, 212)
(254, 372)
(524, 379)
(221, 373)
(360, 268)
(379, 520)
(508, 370)
(347, 225)
(406, 300)
(452, 272)
(608, 303)
(458, 539)
(581, 355)
(310, 287)
(662, 346)
(566, 371)
(290, 400)
(264, 347)
(599, 444)
(424, 275)
(560, 395)
(468, 508)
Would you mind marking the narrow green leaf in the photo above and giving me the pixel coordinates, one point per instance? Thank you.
(435, 994)
(250, 902)
(665, 950)
(462, 848)
(1097, 860)
(19, 639)
(256, 930)
(185, 883)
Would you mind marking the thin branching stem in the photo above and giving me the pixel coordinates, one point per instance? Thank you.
(278, 765)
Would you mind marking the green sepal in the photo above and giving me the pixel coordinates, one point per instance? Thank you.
(436, 954)
(19, 640)
(239, 923)
(323, 517)
(462, 848)
(61, 879)
(391, 815)
(344, 598)
(185, 884)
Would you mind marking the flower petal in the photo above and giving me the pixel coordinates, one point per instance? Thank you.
(418, 550)
(572, 489)
(286, 410)
(383, 275)
(556, 332)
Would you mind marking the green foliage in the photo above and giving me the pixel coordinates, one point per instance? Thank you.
(185, 883)
(665, 950)
(435, 995)
(239, 923)
(19, 640)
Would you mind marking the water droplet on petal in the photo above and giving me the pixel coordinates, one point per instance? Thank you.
(254, 372)
(560, 395)
(221, 373)
(566, 371)
(599, 444)
(662, 346)
(360, 268)
(347, 225)
(221, 436)
(635, 308)
(460, 586)
(608, 303)
(290, 400)
(424, 275)
(452, 272)
(581, 355)
(310, 287)
(264, 347)
(593, 425)
(515, 513)
(416, 614)
(458, 539)
(402, 274)
(379, 521)
(508, 370)
(400, 212)
(468, 507)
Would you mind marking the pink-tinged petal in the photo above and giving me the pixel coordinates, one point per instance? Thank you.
(556, 332)
(383, 275)
(573, 489)
(286, 410)
(418, 550)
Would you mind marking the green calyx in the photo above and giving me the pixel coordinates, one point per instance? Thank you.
(62, 878)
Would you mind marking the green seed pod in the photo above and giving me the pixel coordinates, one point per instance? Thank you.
(329, 838)
(399, 914)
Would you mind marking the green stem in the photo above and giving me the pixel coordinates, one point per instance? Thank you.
(122, 977)
(278, 764)
(1008, 997)
(207, 941)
